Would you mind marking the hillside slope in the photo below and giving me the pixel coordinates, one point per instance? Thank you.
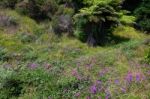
(36, 64)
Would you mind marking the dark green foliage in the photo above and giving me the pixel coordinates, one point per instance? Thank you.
(7, 21)
(96, 21)
(30, 55)
(143, 15)
(9, 3)
(63, 24)
(130, 5)
(147, 57)
(75, 4)
(38, 9)
(38, 32)
(27, 38)
(13, 87)
(16, 84)
(3, 54)
(46, 82)
(36, 64)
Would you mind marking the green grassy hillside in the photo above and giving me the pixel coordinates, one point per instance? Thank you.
(36, 64)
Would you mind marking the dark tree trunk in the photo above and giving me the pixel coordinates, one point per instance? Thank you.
(91, 41)
(97, 32)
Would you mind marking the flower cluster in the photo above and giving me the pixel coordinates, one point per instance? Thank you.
(75, 73)
(137, 77)
(32, 65)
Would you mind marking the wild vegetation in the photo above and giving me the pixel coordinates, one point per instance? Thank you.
(74, 49)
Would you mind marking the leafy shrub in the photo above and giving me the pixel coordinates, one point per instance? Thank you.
(27, 38)
(8, 3)
(145, 24)
(127, 20)
(147, 57)
(96, 20)
(80, 35)
(29, 53)
(13, 87)
(3, 54)
(4, 73)
(75, 4)
(39, 31)
(62, 21)
(143, 13)
(130, 5)
(126, 32)
(130, 47)
(37, 9)
(7, 21)
(20, 81)
(79, 32)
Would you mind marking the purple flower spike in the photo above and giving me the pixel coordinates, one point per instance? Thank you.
(138, 77)
(101, 74)
(74, 72)
(116, 81)
(129, 77)
(77, 94)
(32, 66)
(93, 89)
(107, 94)
(88, 65)
(107, 97)
(98, 82)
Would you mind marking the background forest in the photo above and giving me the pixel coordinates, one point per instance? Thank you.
(74, 49)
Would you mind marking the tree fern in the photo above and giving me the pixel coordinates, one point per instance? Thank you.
(101, 15)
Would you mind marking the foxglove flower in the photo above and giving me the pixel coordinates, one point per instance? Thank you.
(138, 77)
(116, 81)
(32, 66)
(129, 77)
(93, 89)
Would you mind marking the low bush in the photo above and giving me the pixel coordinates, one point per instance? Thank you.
(27, 76)
(143, 15)
(37, 9)
(62, 24)
(96, 21)
(28, 53)
(8, 3)
(62, 21)
(27, 38)
(4, 54)
(7, 21)
(147, 57)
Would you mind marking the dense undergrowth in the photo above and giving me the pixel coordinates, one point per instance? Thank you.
(91, 21)
(37, 64)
